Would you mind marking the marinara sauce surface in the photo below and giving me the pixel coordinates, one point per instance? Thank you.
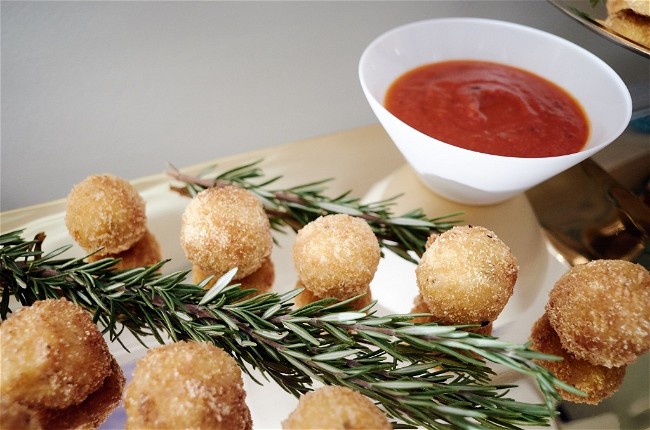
(489, 107)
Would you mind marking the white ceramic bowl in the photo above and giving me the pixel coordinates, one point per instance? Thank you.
(472, 177)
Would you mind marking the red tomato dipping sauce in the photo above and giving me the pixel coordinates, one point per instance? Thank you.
(489, 107)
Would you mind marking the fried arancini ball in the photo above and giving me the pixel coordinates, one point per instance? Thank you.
(145, 252)
(94, 410)
(14, 415)
(597, 382)
(261, 280)
(336, 256)
(466, 275)
(89, 414)
(187, 385)
(224, 228)
(105, 213)
(420, 307)
(432, 238)
(306, 297)
(52, 355)
(601, 311)
(333, 407)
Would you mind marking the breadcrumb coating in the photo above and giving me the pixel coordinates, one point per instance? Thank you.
(224, 228)
(105, 213)
(94, 410)
(336, 256)
(306, 297)
(187, 385)
(145, 252)
(261, 280)
(333, 407)
(52, 355)
(601, 311)
(420, 307)
(597, 382)
(466, 275)
(14, 416)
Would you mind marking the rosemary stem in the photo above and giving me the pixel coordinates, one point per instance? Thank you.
(297, 206)
(420, 374)
(202, 182)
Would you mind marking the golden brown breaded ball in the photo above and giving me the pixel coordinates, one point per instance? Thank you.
(432, 238)
(336, 256)
(16, 416)
(467, 275)
(331, 407)
(601, 311)
(306, 297)
(105, 212)
(420, 307)
(52, 355)
(145, 252)
(597, 382)
(224, 228)
(261, 280)
(187, 385)
(94, 410)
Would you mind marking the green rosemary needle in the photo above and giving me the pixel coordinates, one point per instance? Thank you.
(295, 207)
(422, 375)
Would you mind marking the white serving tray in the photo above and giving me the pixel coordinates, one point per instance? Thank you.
(365, 162)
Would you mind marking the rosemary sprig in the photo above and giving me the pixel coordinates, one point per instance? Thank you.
(424, 375)
(296, 206)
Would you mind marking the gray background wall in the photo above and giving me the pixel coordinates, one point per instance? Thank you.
(125, 87)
